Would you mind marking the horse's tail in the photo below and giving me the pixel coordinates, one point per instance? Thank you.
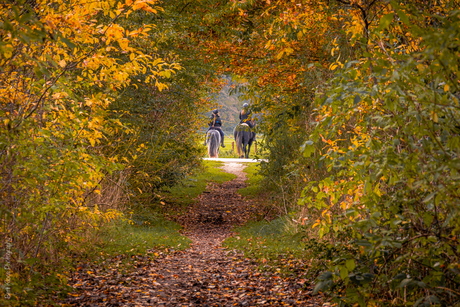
(213, 142)
(238, 134)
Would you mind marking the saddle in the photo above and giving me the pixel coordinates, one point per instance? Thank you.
(245, 127)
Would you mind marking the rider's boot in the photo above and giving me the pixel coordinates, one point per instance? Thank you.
(222, 141)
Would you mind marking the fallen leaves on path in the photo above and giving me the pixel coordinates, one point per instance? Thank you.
(203, 275)
(221, 208)
(195, 277)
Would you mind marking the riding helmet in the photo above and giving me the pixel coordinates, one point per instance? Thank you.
(245, 105)
(215, 111)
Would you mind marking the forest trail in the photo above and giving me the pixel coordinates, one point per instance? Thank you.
(205, 274)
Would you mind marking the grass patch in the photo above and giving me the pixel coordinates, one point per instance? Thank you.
(129, 239)
(188, 189)
(123, 237)
(122, 242)
(279, 248)
(269, 243)
(253, 187)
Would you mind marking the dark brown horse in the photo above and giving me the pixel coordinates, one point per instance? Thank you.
(244, 138)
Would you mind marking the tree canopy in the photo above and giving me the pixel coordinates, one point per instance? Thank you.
(360, 105)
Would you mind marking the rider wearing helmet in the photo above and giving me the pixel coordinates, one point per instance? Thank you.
(245, 116)
(216, 123)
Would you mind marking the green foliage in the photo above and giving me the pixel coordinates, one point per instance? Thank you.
(163, 126)
(394, 174)
(286, 170)
(39, 286)
(283, 147)
(243, 40)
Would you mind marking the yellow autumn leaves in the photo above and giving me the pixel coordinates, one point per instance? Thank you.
(61, 65)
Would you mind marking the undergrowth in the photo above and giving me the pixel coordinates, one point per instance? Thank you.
(147, 228)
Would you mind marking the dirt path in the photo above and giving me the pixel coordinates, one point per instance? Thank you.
(205, 274)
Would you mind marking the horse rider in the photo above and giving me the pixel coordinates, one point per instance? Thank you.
(216, 123)
(245, 116)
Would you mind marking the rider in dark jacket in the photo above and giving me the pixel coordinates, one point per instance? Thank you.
(245, 116)
(216, 123)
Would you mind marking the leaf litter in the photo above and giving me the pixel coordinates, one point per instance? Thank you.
(204, 275)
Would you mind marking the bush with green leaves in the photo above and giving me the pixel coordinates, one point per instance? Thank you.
(391, 142)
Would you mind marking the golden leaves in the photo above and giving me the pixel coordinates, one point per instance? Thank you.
(52, 90)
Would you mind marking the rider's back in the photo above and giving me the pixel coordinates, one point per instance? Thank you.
(215, 121)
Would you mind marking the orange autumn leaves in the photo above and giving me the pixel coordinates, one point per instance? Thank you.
(279, 42)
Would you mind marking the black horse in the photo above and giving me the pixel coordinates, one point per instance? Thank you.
(243, 137)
